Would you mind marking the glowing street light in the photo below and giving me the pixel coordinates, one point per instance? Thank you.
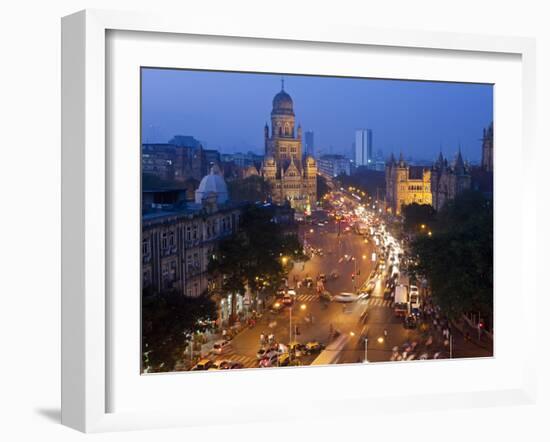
(284, 259)
(430, 233)
(423, 226)
(380, 340)
(303, 307)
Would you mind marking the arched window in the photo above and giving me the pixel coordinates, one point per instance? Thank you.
(287, 129)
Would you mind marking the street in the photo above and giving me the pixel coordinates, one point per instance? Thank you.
(339, 251)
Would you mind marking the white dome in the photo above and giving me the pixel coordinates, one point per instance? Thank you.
(212, 183)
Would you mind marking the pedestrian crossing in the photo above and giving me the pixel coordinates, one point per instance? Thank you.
(378, 302)
(307, 297)
(374, 302)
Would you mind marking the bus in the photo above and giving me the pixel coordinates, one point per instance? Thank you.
(333, 353)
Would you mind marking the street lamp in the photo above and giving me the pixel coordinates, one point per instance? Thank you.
(366, 346)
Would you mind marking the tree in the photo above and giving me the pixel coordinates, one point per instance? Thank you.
(418, 215)
(322, 187)
(253, 256)
(253, 188)
(168, 322)
(458, 258)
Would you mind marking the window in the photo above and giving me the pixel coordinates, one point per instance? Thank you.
(164, 240)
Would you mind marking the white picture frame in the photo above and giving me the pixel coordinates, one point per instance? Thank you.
(86, 207)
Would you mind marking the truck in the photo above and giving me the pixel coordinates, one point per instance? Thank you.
(401, 303)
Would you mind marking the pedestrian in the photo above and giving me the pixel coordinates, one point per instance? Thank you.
(385, 333)
(262, 339)
(224, 333)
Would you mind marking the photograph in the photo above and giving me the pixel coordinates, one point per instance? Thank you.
(304, 220)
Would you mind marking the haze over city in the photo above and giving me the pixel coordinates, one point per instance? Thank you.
(227, 111)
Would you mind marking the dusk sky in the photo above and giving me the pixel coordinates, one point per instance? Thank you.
(227, 111)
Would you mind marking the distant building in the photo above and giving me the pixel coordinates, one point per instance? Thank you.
(181, 159)
(406, 184)
(330, 166)
(310, 146)
(487, 149)
(292, 177)
(159, 160)
(448, 181)
(242, 160)
(363, 148)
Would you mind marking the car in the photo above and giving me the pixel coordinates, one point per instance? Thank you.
(203, 364)
(288, 300)
(291, 292)
(296, 349)
(363, 295)
(415, 312)
(413, 289)
(270, 360)
(414, 300)
(231, 365)
(281, 292)
(323, 277)
(276, 307)
(409, 322)
(221, 346)
(284, 360)
(325, 296)
(370, 286)
(314, 347)
(388, 292)
(345, 297)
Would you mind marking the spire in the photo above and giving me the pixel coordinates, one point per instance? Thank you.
(401, 160)
(459, 164)
(282, 83)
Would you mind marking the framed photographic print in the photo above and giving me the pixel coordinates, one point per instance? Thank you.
(247, 207)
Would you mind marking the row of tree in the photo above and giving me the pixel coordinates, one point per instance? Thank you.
(254, 259)
(454, 251)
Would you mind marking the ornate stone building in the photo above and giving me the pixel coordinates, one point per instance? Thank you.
(293, 178)
(406, 184)
(448, 181)
(487, 149)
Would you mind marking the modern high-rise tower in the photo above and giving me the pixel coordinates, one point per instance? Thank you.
(363, 148)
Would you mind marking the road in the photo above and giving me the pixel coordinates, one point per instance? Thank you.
(348, 254)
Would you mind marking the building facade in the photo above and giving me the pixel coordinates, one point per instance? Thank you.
(447, 181)
(310, 144)
(330, 166)
(179, 238)
(363, 148)
(292, 177)
(406, 184)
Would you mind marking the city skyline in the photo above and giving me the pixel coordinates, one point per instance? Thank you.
(416, 118)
